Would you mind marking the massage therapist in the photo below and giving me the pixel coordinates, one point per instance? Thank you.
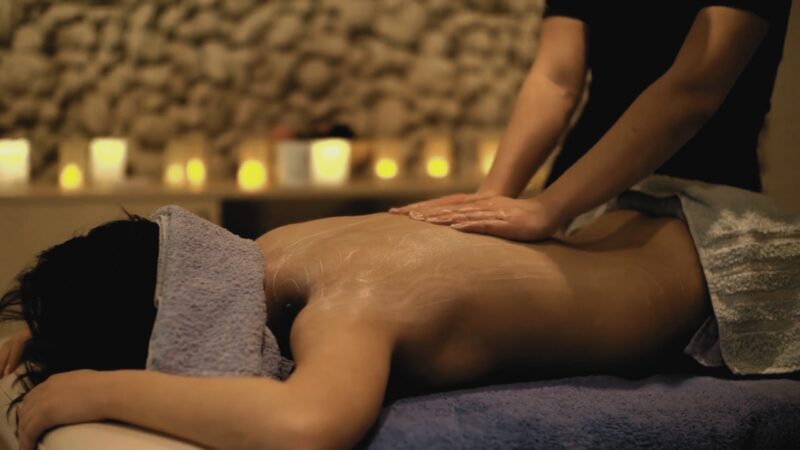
(679, 88)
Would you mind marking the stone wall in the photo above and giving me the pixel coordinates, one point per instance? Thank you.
(152, 69)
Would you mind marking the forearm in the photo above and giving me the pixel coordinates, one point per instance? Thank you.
(658, 123)
(219, 413)
(540, 116)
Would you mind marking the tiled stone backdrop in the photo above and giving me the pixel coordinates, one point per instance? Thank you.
(151, 69)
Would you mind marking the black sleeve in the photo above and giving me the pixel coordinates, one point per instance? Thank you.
(577, 9)
(771, 10)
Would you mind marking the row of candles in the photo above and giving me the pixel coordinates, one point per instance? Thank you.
(261, 163)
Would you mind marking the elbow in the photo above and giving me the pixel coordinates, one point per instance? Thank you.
(300, 430)
(699, 99)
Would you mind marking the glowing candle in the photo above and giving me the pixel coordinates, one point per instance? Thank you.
(389, 157)
(330, 161)
(196, 172)
(292, 162)
(14, 162)
(437, 155)
(72, 164)
(174, 172)
(252, 174)
(487, 149)
(109, 158)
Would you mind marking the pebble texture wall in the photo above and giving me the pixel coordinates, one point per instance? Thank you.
(151, 69)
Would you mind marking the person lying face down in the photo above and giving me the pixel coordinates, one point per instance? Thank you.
(353, 300)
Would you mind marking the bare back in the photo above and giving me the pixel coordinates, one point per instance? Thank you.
(460, 306)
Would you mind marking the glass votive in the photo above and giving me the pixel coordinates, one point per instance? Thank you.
(72, 164)
(330, 161)
(14, 163)
(389, 158)
(252, 174)
(108, 161)
(174, 166)
(196, 171)
(437, 156)
(292, 162)
(486, 152)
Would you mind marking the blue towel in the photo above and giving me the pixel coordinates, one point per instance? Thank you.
(212, 315)
(598, 412)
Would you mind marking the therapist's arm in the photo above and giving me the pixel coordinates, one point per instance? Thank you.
(543, 107)
(665, 116)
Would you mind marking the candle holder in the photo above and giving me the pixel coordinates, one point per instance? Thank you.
(108, 161)
(15, 163)
(196, 170)
(437, 156)
(292, 162)
(72, 164)
(330, 161)
(253, 174)
(174, 164)
(389, 159)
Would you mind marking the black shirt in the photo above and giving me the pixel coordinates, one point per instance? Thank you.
(633, 42)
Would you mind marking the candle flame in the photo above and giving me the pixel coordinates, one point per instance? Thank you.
(438, 167)
(386, 168)
(252, 175)
(71, 177)
(196, 172)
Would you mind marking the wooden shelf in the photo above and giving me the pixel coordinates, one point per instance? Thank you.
(225, 191)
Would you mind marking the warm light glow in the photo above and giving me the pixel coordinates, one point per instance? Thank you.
(14, 162)
(174, 175)
(330, 161)
(386, 168)
(196, 172)
(252, 175)
(438, 167)
(108, 161)
(486, 154)
(71, 177)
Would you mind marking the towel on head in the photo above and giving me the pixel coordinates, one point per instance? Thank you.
(212, 310)
(750, 252)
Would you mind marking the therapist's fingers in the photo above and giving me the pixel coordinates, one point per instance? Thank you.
(494, 227)
(13, 358)
(5, 350)
(469, 216)
(454, 199)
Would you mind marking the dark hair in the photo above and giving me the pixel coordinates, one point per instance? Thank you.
(88, 302)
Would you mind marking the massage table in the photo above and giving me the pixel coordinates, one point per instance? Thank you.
(661, 411)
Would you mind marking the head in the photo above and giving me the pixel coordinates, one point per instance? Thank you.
(88, 301)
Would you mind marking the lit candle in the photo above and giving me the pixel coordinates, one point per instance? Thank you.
(174, 172)
(14, 162)
(437, 155)
(196, 172)
(389, 157)
(72, 164)
(330, 161)
(252, 174)
(109, 158)
(487, 149)
(292, 162)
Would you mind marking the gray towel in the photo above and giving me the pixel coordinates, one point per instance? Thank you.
(212, 315)
(750, 252)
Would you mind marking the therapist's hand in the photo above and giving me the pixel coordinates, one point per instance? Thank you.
(64, 398)
(505, 217)
(11, 350)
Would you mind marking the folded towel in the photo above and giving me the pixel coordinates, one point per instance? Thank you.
(212, 315)
(750, 252)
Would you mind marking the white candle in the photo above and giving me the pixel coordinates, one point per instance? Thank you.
(437, 155)
(330, 161)
(253, 174)
(14, 162)
(72, 164)
(292, 162)
(109, 158)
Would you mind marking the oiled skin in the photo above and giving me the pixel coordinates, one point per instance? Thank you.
(458, 306)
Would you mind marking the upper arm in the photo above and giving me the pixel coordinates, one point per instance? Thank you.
(716, 50)
(561, 55)
(342, 368)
